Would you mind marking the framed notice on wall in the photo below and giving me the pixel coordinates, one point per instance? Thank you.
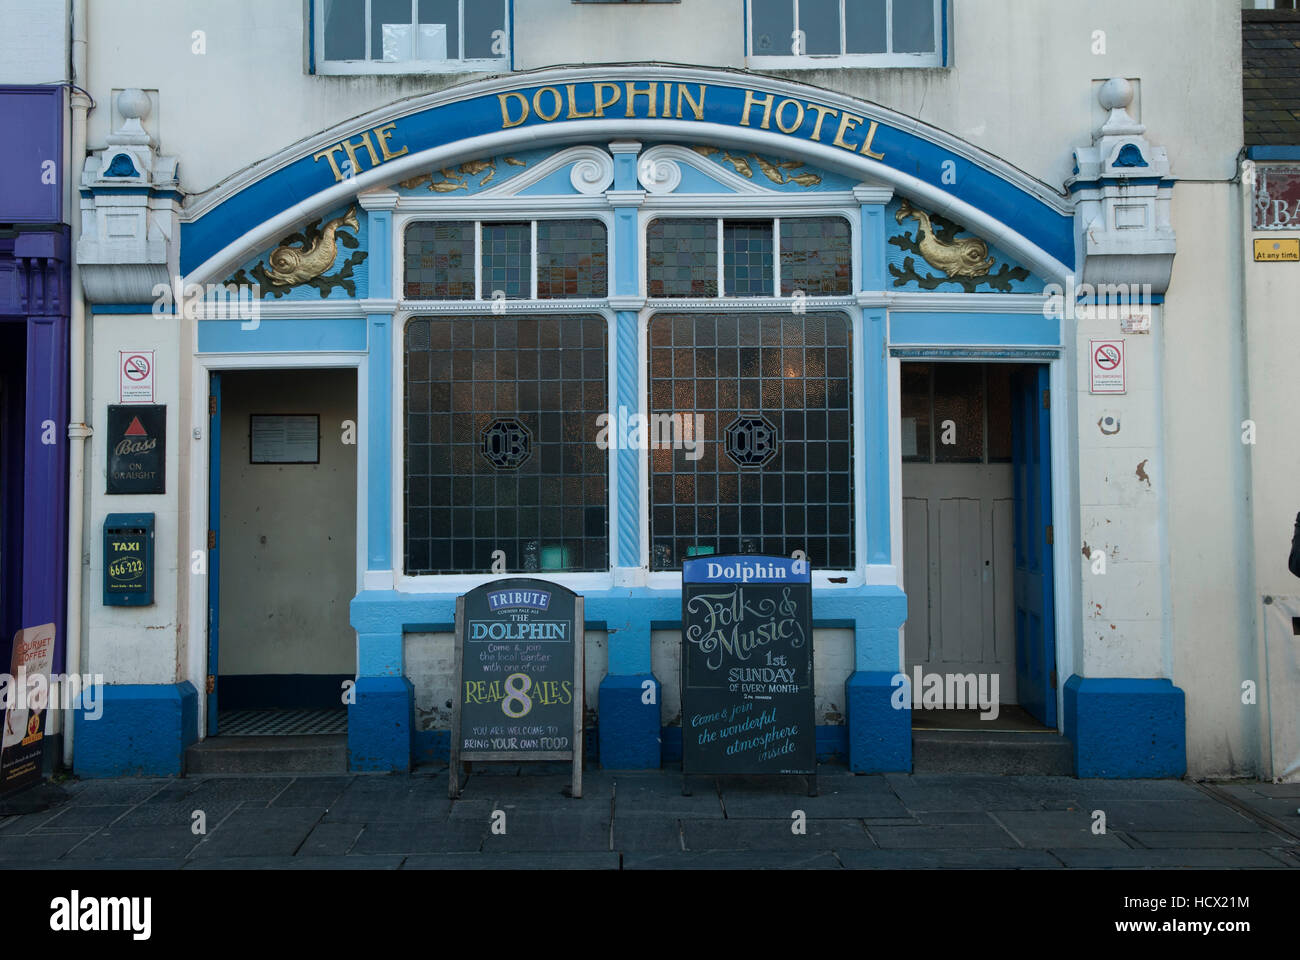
(284, 438)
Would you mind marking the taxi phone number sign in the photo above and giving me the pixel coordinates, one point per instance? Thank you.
(1107, 365)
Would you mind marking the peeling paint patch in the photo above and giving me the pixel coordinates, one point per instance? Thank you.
(1087, 550)
(1142, 473)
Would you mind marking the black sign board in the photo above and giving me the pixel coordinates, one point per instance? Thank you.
(519, 675)
(137, 448)
(747, 667)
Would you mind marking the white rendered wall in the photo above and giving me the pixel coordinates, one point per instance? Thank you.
(1272, 291)
(1021, 83)
(132, 644)
(34, 40)
(1122, 559)
(1208, 548)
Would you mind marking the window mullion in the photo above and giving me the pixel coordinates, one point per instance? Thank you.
(368, 50)
(844, 26)
(803, 44)
(460, 31)
(478, 260)
(722, 253)
(415, 29)
(533, 258)
(889, 26)
(776, 257)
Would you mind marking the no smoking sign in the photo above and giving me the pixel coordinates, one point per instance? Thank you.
(1107, 365)
(135, 376)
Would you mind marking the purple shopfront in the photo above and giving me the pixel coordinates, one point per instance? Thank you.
(34, 287)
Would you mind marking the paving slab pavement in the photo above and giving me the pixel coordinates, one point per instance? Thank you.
(519, 817)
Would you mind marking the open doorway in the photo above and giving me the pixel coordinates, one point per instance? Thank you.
(283, 506)
(976, 480)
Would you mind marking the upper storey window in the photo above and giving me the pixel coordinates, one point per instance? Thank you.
(868, 33)
(410, 36)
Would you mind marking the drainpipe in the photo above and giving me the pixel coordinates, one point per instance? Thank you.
(78, 431)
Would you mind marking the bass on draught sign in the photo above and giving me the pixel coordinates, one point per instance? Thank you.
(747, 667)
(519, 675)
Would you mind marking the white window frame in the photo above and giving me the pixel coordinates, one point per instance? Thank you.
(778, 209)
(889, 58)
(479, 222)
(410, 210)
(457, 64)
(775, 219)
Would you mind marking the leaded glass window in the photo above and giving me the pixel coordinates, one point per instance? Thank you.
(571, 259)
(507, 261)
(682, 258)
(774, 471)
(696, 257)
(441, 262)
(957, 412)
(816, 256)
(747, 258)
(500, 451)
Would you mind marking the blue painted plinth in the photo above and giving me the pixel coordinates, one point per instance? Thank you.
(629, 727)
(879, 734)
(141, 730)
(381, 724)
(1124, 727)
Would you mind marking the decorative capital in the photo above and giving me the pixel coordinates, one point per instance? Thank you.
(872, 193)
(625, 198)
(1122, 190)
(384, 199)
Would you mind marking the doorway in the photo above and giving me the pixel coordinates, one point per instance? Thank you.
(282, 550)
(976, 480)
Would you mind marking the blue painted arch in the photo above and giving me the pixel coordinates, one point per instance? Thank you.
(955, 179)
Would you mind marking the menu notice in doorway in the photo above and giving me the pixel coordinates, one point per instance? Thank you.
(284, 438)
(519, 674)
(747, 668)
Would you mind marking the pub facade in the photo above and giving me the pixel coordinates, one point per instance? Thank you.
(421, 308)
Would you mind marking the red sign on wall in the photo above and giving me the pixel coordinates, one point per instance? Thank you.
(1277, 198)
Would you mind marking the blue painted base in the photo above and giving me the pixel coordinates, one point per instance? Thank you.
(381, 724)
(879, 731)
(142, 731)
(1125, 727)
(629, 727)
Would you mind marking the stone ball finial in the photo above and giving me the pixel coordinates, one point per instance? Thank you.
(134, 104)
(1116, 93)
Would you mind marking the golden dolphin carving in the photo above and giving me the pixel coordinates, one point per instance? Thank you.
(290, 266)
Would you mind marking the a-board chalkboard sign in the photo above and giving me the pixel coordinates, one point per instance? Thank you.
(747, 668)
(519, 675)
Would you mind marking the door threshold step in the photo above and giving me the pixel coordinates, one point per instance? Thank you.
(304, 753)
(1006, 753)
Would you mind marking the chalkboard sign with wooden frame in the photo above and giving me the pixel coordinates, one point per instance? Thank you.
(519, 676)
(747, 667)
